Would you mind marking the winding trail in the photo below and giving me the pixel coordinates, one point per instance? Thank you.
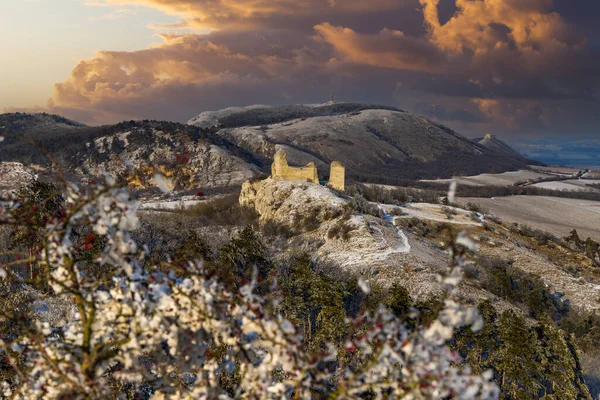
(405, 246)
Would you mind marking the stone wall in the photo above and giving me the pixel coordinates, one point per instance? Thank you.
(281, 170)
(337, 176)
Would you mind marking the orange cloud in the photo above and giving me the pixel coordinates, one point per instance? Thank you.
(488, 42)
(487, 26)
(186, 74)
(187, 59)
(253, 14)
(388, 49)
(515, 64)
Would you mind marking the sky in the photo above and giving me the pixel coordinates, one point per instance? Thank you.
(520, 69)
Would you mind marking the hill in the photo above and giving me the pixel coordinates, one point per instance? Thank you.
(35, 125)
(376, 143)
(256, 115)
(491, 142)
(206, 160)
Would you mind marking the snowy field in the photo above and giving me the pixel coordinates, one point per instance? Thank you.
(504, 179)
(552, 214)
(186, 201)
(433, 212)
(577, 185)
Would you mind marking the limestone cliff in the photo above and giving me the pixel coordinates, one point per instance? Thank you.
(192, 163)
(287, 201)
(327, 226)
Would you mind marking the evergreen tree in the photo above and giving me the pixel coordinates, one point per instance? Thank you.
(559, 366)
(194, 248)
(519, 360)
(477, 348)
(327, 298)
(562, 369)
(238, 260)
(295, 290)
(398, 300)
(314, 302)
(500, 283)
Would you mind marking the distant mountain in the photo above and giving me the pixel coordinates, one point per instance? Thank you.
(35, 125)
(203, 159)
(491, 142)
(256, 115)
(376, 143)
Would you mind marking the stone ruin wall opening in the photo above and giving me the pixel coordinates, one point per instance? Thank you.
(281, 170)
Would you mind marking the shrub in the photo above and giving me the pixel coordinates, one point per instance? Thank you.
(396, 196)
(273, 229)
(542, 238)
(475, 217)
(449, 212)
(140, 332)
(307, 222)
(476, 208)
(224, 210)
(363, 206)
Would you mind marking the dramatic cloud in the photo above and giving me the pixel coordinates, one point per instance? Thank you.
(501, 66)
(388, 48)
(260, 14)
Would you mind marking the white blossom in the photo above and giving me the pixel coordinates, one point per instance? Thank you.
(160, 332)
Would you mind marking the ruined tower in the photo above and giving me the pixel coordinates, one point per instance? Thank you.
(281, 170)
(337, 176)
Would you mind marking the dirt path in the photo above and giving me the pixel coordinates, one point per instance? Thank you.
(405, 246)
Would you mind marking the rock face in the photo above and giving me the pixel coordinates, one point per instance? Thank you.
(14, 175)
(375, 143)
(195, 163)
(286, 202)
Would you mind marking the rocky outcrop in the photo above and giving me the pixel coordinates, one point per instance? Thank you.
(491, 142)
(287, 202)
(192, 164)
(14, 175)
(327, 227)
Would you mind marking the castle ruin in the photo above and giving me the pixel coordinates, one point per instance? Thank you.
(280, 169)
(337, 176)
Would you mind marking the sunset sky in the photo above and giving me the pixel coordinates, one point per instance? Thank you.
(517, 68)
